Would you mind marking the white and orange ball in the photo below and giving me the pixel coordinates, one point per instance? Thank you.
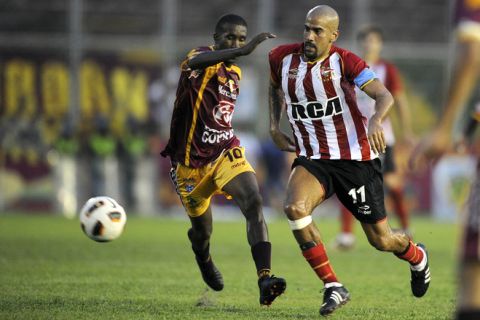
(102, 219)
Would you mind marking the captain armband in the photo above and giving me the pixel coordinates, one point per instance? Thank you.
(300, 223)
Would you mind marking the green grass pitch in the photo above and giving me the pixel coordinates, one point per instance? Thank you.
(50, 270)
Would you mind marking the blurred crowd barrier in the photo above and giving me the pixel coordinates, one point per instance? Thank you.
(65, 139)
(53, 159)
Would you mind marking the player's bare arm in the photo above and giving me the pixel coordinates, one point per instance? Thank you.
(276, 102)
(238, 48)
(383, 102)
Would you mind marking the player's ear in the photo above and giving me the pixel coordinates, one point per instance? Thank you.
(334, 36)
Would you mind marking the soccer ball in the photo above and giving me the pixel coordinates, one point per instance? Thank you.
(102, 219)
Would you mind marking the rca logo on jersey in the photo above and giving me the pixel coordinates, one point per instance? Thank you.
(223, 112)
(315, 110)
(229, 89)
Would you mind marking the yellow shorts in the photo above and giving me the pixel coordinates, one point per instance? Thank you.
(196, 186)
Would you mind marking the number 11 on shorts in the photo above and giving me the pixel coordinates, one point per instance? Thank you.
(353, 193)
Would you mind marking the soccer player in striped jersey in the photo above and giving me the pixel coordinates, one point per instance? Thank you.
(466, 72)
(336, 151)
(371, 42)
(206, 155)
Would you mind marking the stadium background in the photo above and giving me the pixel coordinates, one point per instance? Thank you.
(86, 92)
(87, 89)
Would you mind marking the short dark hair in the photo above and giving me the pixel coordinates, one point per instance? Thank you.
(364, 32)
(229, 19)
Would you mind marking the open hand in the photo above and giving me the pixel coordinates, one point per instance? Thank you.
(376, 136)
(259, 38)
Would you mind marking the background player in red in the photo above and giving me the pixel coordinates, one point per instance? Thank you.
(314, 81)
(371, 43)
(207, 157)
(465, 78)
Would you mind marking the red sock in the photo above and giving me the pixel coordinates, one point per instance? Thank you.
(318, 260)
(400, 207)
(346, 220)
(412, 254)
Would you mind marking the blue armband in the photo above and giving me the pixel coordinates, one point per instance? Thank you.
(364, 77)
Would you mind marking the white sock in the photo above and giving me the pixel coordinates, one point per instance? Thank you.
(333, 284)
(422, 264)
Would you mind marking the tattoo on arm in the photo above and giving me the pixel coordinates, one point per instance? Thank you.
(276, 102)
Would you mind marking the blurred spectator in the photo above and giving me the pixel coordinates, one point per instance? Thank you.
(132, 145)
(67, 142)
(371, 45)
(465, 75)
(276, 175)
(101, 144)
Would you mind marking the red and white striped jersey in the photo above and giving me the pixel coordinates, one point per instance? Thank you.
(389, 76)
(321, 102)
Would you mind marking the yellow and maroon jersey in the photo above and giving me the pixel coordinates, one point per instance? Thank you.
(201, 126)
(467, 10)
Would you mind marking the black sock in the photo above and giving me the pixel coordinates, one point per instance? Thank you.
(469, 314)
(261, 253)
(201, 254)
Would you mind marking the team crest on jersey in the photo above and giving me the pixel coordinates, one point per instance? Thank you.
(222, 113)
(221, 79)
(293, 73)
(326, 73)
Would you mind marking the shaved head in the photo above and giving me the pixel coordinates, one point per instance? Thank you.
(325, 13)
(321, 31)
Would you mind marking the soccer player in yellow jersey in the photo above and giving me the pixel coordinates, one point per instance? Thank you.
(206, 155)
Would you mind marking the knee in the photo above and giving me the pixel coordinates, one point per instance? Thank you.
(202, 234)
(250, 202)
(295, 211)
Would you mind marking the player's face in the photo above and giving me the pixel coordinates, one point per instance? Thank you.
(233, 36)
(317, 37)
(372, 44)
